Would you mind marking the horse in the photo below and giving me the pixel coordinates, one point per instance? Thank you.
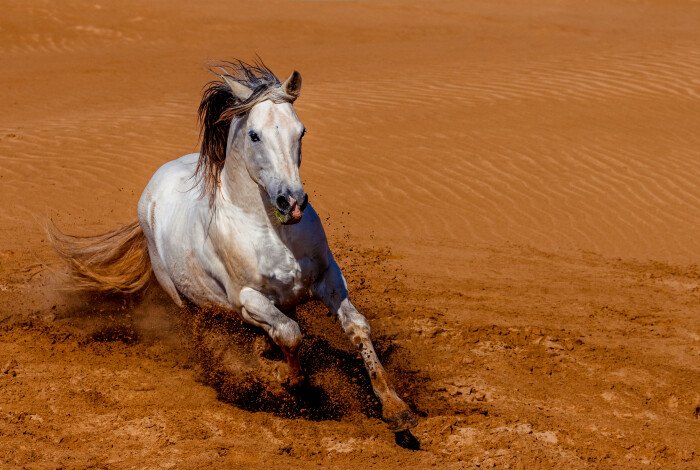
(231, 227)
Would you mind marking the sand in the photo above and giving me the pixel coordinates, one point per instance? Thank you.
(511, 188)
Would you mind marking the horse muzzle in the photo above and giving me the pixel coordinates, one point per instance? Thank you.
(288, 210)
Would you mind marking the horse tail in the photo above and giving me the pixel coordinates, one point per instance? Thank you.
(115, 261)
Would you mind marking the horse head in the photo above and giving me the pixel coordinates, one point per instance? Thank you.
(254, 112)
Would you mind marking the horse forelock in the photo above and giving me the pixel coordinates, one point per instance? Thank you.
(219, 106)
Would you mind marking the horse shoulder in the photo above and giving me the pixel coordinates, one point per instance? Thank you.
(236, 242)
(308, 239)
(309, 246)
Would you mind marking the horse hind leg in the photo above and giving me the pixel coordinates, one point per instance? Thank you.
(163, 277)
(258, 310)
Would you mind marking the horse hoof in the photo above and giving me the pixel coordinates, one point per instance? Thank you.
(294, 382)
(401, 421)
(261, 346)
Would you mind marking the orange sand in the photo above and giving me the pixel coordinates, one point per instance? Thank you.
(511, 187)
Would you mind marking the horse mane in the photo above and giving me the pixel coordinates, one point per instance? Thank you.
(219, 106)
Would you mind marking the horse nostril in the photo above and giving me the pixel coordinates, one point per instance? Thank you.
(282, 203)
(302, 206)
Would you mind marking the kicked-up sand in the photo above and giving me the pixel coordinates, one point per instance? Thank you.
(512, 188)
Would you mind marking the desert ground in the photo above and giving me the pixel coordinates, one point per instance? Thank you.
(512, 189)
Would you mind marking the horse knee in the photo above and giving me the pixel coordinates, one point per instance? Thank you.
(286, 334)
(356, 327)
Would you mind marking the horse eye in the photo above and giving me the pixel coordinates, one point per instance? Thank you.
(303, 133)
(253, 136)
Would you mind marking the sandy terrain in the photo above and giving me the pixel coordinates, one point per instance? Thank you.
(511, 188)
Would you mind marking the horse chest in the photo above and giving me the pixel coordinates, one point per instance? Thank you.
(285, 278)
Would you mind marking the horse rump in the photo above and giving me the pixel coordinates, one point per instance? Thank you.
(114, 262)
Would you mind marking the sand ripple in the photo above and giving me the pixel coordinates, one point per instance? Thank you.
(590, 147)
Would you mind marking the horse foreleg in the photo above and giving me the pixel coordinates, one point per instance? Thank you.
(332, 290)
(258, 310)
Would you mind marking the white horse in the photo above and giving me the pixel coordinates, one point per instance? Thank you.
(231, 227)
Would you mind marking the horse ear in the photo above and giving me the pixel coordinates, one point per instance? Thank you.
(292, 85)
(239, 90)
